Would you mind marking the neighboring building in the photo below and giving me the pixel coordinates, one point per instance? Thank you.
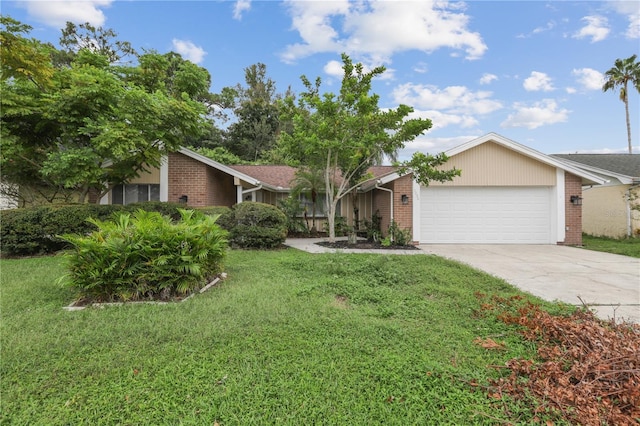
(612, 209)
(6, 200)
(507, 194)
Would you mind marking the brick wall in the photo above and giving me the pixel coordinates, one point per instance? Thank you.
(188, 177)
(381, 205)
(221, 190)
(403, 213)
(573, 213)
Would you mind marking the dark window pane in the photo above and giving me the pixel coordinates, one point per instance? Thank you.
(143, 193)
(154, 193)
(116, 195)
(130, 194)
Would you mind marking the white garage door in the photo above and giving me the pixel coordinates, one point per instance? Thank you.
(486, 215)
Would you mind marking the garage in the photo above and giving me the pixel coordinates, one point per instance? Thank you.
(487, 215)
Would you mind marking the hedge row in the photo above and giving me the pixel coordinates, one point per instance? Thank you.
(36, 230)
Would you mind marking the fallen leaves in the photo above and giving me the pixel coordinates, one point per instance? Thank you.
(588, 369)
(488, 343)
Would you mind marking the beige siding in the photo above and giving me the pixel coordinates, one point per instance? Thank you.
(605, 212)
(490, 164)
(153, 176)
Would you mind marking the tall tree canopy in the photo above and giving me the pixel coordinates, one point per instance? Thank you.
(624, 71)
(88, 124)
(344, 134)
(257, 113)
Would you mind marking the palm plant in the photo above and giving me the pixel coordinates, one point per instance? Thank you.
(625, 71)
(309, 182)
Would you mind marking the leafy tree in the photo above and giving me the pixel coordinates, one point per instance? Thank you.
(220, 154)
(343, 134)
(23, 58)
(256, 109)
(309, 182)
(625, 71)
(95, 39)
(94, 126)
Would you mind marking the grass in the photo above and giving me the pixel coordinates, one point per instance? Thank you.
(624, 246)
(289, 338)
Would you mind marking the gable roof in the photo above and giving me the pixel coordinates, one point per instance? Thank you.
(587, 177)
(272, 177)
(620, 165)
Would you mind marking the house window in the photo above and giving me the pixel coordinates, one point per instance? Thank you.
(135, 193)
(322, 208)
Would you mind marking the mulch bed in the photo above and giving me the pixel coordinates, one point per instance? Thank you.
(364, 244)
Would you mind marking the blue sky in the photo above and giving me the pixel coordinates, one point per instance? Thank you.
(530, 71)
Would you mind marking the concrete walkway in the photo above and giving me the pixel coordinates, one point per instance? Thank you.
(609, 283)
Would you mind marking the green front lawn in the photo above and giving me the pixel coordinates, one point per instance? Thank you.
(625, 246)
(289, 338)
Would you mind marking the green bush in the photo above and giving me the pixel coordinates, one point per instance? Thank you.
(225, 215)
(145, 256)
(257, 225)
(399, 237)
(293, 211)
(33, 230)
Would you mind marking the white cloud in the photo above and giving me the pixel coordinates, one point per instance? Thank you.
(538, 81)
(539, 114)
(550, 25)
(421, 68)
(240, 7)
(376, 30)
(334, 69)
(589, 78)
(632, 11)
(453, 99)
(597, 27)
(189, 51)
(441, 119)
(432, 145)
(452, 106)
(57, 13)
(488, 78)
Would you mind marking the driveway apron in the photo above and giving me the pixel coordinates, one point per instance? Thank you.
(608, 283)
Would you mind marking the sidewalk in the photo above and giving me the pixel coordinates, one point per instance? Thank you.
(309, 245)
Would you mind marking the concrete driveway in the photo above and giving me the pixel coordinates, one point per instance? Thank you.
(610, 283)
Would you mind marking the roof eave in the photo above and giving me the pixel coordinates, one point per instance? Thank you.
(226, 169)
(587, 177)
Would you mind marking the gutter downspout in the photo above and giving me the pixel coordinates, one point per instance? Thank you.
(251, 191)
(628, 198)
(390, 191)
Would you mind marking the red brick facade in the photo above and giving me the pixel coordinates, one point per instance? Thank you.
(202, 185)
(403, 213)
(573, 213)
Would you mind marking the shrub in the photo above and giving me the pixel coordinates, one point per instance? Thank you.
(293, 211)
(34, 230)
(257, 225)
(145, 256)
(399, 237)
(340, 226)
(225, 215)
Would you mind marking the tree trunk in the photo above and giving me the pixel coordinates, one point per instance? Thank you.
(331, 217)
(626, 110)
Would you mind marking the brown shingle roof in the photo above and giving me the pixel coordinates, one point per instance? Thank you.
(280, 177)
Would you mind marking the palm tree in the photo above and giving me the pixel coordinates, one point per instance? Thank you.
(624, 71)
(311, 182)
